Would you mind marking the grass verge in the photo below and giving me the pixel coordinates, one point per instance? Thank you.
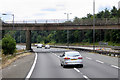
(8, 59)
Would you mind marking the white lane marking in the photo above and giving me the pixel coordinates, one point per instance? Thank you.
(89, 58)
(81, 73)
(86, 77)
(100, 61)
(115, 66)
(76, 69)
(56, 55)
(32, 68)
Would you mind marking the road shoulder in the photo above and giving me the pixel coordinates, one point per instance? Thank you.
(19, 68)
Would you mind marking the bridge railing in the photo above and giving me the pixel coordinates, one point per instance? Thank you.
(98, 21)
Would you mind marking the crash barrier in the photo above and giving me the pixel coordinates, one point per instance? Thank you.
(109, 53)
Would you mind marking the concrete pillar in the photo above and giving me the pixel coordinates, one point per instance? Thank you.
(28, 40)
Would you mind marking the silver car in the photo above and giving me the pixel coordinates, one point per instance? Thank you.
(47, 46)
(71, 58)
(39, 45)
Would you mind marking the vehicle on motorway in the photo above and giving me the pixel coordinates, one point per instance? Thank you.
(35, 44)
(47, 46)
(71, 58)
(39, 45)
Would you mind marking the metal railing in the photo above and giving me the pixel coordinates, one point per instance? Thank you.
(98, 21)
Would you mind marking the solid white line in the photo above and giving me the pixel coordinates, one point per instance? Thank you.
(32, 68)
(115, 66)
(76, 69)
(99, 61)
(89, 58)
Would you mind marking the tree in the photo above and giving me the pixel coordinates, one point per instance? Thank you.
(76, 20)
(100, 14)
(107, 13)
(114, 12)
(89, 15)
(8, 45)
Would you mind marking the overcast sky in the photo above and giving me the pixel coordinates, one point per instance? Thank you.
(51, 9)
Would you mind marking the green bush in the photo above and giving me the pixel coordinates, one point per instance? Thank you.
(8, 45)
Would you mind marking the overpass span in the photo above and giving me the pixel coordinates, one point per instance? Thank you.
(62, 24)
(81, 25)
(54, 26)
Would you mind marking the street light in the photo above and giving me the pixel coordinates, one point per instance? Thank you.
(13, 20)
(68, 30)
(94, 25)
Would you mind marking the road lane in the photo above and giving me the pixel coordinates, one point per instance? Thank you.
(48, 66)
(95, 65)
(106, 59)
(96, 68)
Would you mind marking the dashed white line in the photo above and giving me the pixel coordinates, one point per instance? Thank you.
(86, 77)
(115, 66)
(76, 69)
(32, 68)
(89, 58)
(81, 73)
(100, 61)
(56, 55)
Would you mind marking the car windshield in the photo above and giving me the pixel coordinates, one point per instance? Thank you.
(73, 54)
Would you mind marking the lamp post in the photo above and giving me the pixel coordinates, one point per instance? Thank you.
(94, 25)
(68, 30)
(12, 21)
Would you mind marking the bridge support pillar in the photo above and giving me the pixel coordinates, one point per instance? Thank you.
(28, 40)
(3, 33)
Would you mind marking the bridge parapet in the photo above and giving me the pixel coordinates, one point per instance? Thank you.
(81, 24)
(98, 21)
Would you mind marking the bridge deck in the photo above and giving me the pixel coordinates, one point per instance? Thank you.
(54, 26)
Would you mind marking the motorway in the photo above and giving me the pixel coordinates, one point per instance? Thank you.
(96, 66)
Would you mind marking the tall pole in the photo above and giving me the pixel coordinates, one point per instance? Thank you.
(94, 25)
(67, 30)
(13, 25)
(12, 21)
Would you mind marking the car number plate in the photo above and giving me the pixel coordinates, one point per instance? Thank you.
(73, 59)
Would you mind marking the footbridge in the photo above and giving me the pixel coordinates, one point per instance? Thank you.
(80, 25)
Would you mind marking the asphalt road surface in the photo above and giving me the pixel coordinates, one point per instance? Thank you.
(96, 66)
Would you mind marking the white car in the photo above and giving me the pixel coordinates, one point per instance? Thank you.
(39, 45)
(71, 58)
(47, 46)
